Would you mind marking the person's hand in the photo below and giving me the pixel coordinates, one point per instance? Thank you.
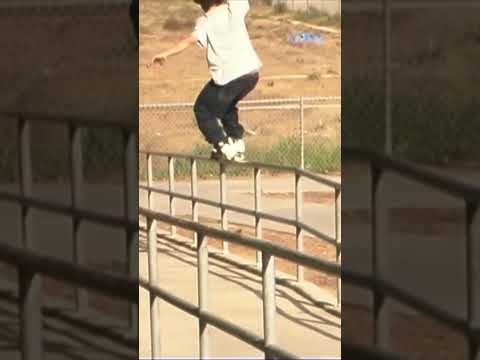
(157, 59)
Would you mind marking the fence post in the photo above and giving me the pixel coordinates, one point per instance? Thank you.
(30, 283)
(473, 273)
(338, 238)
(298, 219)
(194, 189)
(202, 273)
(223, 201)
(171, 188)
(76, 183)
(302, 133)
(258, 208)
(379, 224)
(153, 280)
(269, 305)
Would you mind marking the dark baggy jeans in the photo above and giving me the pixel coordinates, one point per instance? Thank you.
(216, 108)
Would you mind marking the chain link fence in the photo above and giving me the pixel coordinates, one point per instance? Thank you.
(404, 93)
(303, 132)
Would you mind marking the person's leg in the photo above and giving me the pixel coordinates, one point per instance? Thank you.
(238, 89)
(208, 107)
(206, 114)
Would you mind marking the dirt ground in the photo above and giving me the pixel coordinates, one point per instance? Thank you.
(184, 76)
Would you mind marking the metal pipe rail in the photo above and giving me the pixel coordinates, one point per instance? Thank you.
(383, 292)
(258, 215)
(252, 164)
(271, 249)
(268, 251)
(30, 279)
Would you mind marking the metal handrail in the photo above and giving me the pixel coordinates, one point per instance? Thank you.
(382, 291)
(257, 214)
(268, 250)
(355, 278)
(251, 164)
(452, 321)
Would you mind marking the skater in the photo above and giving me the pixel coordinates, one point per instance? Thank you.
(234, 68)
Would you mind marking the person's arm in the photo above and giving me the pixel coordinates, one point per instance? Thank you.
(181, 46)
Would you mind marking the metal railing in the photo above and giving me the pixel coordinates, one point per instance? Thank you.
(31, 267)
(257, 214)
(382, 290)
(267, 343)
(266, 251)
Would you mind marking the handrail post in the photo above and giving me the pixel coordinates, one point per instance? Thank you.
(269, 304)
(298, 219)
(202, 273)
(130, 175)
(153, 280)
(223, 201)
(338, 239)
(194, 189)
(76, 184)
(30, 283)
(171, 188)
(258, 208)
(473, 272)
(379, 258)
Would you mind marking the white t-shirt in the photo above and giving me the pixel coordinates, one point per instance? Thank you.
(223, 32)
